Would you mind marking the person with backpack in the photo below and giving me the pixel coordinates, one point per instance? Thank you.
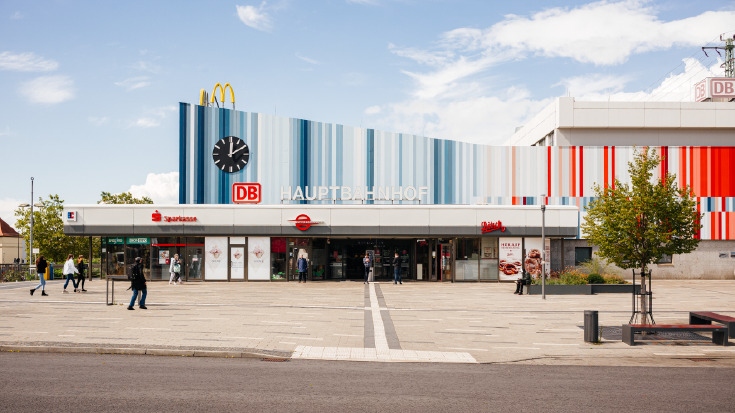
(366, 262)
(137, 283)
(69, 270)
(302, 265)
(41, 271)
(175, 270)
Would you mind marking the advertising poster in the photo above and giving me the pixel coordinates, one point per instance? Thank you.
(259, 258)
(163, 257)
(532, 260)
(510, 259)
(215, 258)
(237, 263)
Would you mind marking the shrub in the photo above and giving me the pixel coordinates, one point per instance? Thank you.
(613, 279)
(595, 279)
(573, 277)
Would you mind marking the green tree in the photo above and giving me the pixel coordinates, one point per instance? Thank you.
(635, 225)
(48, 230)
(123, 198)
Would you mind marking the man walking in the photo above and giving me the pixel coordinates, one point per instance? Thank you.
(302, 265)
(137, 283)
(397, 270)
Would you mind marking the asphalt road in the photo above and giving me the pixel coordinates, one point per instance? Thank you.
(87, 382)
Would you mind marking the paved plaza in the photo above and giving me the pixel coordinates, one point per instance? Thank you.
(383, 322)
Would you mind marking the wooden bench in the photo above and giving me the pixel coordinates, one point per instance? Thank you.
(706, 317)
(719, 333)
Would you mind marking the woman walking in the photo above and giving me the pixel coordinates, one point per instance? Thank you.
(137, 283)
(80, 276)
(69, 270)
(41, 271)
(175, 270)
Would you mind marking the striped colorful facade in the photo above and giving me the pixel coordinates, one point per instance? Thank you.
(288, 152)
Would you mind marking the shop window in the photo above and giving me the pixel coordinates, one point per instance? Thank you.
(466, 263)
(582, 254)
(489, 259)
(665, 259)
(279, 268)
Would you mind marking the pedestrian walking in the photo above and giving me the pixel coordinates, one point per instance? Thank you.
(175, 269)
(302, 265)
(397, 270)
(69, 270)
(366, 262)
(137, 283)
(80, 276)
(41, 266)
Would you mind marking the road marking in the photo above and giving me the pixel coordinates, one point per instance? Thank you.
(679, 354)
(381, 341)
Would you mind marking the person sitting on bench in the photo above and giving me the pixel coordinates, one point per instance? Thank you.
(524, 280)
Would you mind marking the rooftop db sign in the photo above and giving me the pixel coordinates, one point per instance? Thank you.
(713, 88)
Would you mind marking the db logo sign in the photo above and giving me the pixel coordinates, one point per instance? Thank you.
(246, 193)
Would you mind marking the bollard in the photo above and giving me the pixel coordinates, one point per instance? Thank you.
(590, 326)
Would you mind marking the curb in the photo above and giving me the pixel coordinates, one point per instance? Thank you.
(138, 351)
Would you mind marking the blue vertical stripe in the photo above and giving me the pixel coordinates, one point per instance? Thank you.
(183, 125)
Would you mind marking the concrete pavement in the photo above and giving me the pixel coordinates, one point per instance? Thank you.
(423, 322)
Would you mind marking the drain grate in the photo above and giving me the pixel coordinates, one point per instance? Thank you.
(275, 360)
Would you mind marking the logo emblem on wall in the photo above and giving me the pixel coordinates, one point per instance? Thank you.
(246, 193)
(71, 216)
(492, 226)
(156, 216)
(303, 222)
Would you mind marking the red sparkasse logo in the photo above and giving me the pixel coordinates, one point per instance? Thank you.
(303, 222)
(157, 217)
(246, 193)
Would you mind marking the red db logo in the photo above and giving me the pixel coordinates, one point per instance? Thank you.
(303, 222)
(246, 193)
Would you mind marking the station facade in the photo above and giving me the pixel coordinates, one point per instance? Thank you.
(453, 211)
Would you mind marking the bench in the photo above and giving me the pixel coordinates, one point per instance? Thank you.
(706, 317)
(719, 333)
(113, 278)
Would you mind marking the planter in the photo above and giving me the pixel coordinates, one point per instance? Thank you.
(587, 289)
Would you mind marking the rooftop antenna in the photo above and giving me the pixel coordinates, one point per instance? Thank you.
(729, 64)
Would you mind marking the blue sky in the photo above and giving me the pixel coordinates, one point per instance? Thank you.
(91, 88)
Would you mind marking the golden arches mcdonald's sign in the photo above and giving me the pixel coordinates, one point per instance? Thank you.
(203, 97)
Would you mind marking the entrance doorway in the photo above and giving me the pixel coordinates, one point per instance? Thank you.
(345, 258)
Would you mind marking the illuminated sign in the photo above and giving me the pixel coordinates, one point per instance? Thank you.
(492, 226)
(246, 193)
(303, 222)
(358, 193)
(158, 217)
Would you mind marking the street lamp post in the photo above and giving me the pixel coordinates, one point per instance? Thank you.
(543, 246)
(31, 262)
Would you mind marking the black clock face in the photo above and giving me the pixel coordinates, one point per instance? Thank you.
(230, 154)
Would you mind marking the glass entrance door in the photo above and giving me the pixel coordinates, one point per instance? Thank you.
(445, 262)
(194, 257)
(237, 263)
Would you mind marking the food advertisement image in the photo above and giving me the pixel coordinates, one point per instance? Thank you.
(510, 259)
(532, 261)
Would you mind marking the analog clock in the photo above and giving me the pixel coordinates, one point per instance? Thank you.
(230, 154)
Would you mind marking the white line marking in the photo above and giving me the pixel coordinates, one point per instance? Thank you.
(381, 341)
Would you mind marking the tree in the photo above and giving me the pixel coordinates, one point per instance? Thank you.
(123, 198)
(48, 230)
(635, 225)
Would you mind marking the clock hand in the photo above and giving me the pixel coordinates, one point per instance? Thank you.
(230, 155)
(237, 150)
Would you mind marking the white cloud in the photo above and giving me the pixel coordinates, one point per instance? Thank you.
(307, 60)
(98, 121)
(154, 117)
(162, 188)
(133, 83)
(257, 18)
(593, 84)
(372, 110)
(7, 210)
(26, 62)
(48, 89)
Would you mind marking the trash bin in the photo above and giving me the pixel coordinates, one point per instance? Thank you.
(50, 272)
(591, 328)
